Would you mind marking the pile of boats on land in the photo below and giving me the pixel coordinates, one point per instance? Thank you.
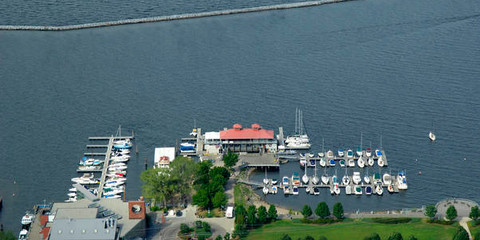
(363, 158)
(115, 176)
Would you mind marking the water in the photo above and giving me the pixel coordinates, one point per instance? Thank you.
(384, 68)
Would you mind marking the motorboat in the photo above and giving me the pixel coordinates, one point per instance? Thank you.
(387, 179)
(341, 152)
(348, 189)
(390, 188)
(114, 191)
(119, 159)
(90, 162)
(120, 155)
(187, 149)
(378, 153)
(377, 178)
(274, 181)
(71, 194)
(117, 164)
(330, 154)
(265, 190)
(114, 183)
(357, 179)
(336, 189)
(380, 161)
(368, 190)
(402, 181)
(295, 179)
(359, 152)
(368, 152)
(370, 161)
(321, 154)
(342, 163)
(357, 189)
(285, 181)
(379, 189)
(286, 190)
(115, 174)
(361, 162)
(351, 162)
(72, 189)
(123, 151)
(116, 168)
(295, 190)
(274, 189)
(312, 163)
(27, 219)
(316, 191)
(89, 168)
(303, 162)
(123, 172)
(332, 162)
(23, 234)
(432, 136)
(114, 196)
(323, 163)
(311, 155)
(120, 179)
(113, 188)
(120, 144)
(71, 199)
(308, 189)
(349, 153)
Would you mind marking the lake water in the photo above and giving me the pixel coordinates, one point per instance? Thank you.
(383, 68)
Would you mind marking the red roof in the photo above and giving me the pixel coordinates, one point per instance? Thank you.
(256, 132)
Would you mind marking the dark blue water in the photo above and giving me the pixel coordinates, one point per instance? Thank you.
(384, 68)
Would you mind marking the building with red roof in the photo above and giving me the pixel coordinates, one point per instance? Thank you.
(254, 139)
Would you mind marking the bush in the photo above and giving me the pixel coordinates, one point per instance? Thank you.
(451, 213)
(219, 237)
(474, 213)
(206, 226)
(373, 236)
(412, 238)
(306, 211)
(322, 210)
(395, 236)
(154, 208)
(322, 238)
(286, 237)
(240, 231)
(440, 221)
(477, 236)
(308, 237)
(430, 211)
(391, 220)
(185, 229)
(338, 210)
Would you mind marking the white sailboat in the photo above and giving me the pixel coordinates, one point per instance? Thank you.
(325, 178)
(345, 178)
(351, 162)
(265, 190)
(348, 189)
(265, 180)
(305, 177)
(379, 189)
(432, 136)
(315, 178)
(387, 179)
(370, 161)
(366, 178)
(380, 161)
(300, 139)
(361, 162)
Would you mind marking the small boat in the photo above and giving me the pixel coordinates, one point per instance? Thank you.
(432, 136)
(286, 190)
(361, 162)
(316, 191)
(336, 189)
(116, 168)
(72, 194)
(119, 159)
(390, 188)
(330, 154)
(377, 178)
(332, 162)
(368, 190)
(266, 180)
(120, 179)
(27, 219)
(379, 189)
(349, 153)
(305, 178)
(311, 155)
(295, 179)
(116, 191)
(72, 189)
(342, 163)
(72, 199)
(117, 164)
(366, 178)
(295, 190)
(370, 161)
(115, 174)
(120, 155)
(351, 162)
(359, 152)
(308, 189)
(321, 154)
(120, 144)
(90, 162)
(89, 168)
(123, 172)
(23, 234)
(402, 180)
(187, 149)
(378, 153)
(303, 162)
(357, 179)
(387, 179)
(315, 178)
(265, 190)
(368, 152)
(113, 183)
(123, 151)
(348, 190)
(323, 163)
(114, 196)
(312, 163)
(274, 189)
(357, 189)
(285, 181)
(274, 181)
(341, 152)
(380, 161)
(346, 178)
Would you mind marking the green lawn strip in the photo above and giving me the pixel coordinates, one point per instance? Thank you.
(240, 191)
(474, 229)
(353, 230)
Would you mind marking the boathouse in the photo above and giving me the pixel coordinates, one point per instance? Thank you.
(250, 140)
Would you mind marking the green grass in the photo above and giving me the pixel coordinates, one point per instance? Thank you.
(240, 192)
(474, 229)
(357, 229)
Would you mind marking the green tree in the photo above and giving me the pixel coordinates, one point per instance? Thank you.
(240, 214)
(322, 210)
(306, 211)
(251, 216)
(220, 171)
(262, 214)
(338, 210)
(220, 199)
(460, 234)
(219, 237)
(451, 213)
(286, 237)
(412, 238)
(230, 159)
(206, 226)
(477, 236)
(202, 175)
(156, 185)
(395, 236)
(373, 236)
(322, 238)
(227, 236)
(474, 213)
(240, 231)
(430, 211)
(308, 237)
(201, 199)
(272, 213)
(184, 228)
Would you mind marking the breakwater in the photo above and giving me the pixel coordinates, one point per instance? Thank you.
(170, 17)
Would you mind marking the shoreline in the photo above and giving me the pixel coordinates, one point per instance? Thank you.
(170, 17)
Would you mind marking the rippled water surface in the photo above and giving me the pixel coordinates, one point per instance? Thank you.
(384, 68)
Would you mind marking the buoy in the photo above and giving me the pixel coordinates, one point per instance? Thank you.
(419, 172)
(464, 159)
(13, 195)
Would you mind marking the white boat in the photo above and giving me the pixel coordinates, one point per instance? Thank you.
(274, 189)
(72, 194)
(379, 189)
(274, 181)
(432, 136)
(349, 153)
(266, 180)
(359, 152)
(114, 196)
(265, 190)
(303, 162)
(122, 144)
(119, 155)
(402, 181)
(330, 154)
(348, 189)
(114, 183)
(116, 168)
(27, 219)
(89, 168)
(298, 145)
(300, 140)
(361, 162)
(341, 152)
(336, 189)
(285, 181)
(321, 154)
(346, 178)
(368, 190)
(368, 152)
(351, 162)
(119, 159)
(323, 163)
(117, 164)
(315, 178)
(341, 163)
(366, 178)
(316, 191)
(87, 181)
(332, 162)
(378, 153)
(390, 188)
(286, 190)
(72, 189)
(305, 177)
(123, 151)
(357, 189)
(23, 234)
(370, 161)
(113, 175)
(380, 161)
(357, 179)
(325, 178)
(90, 162)
(387, 179)
(120, 179)
(295, 190)
(308, 189)
(72, 199)
(122, 172)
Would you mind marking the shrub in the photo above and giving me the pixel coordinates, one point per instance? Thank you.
(322, 238)
(306, 211)
(322, 210)
(308, 237)
(395, 236)
(412, 238)
(338, 210)
(286, 237)
(430, 211)
(391, 220)
(154, 208)
(474, 213)
(219, 237)
(184, 228)
(477, 236)
(373, 236)
(206, 226)
(451, 213)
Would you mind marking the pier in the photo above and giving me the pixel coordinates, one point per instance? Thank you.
(171, 17)
(106, 163)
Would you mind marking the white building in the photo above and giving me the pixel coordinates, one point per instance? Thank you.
(163, 157)
(212, 143)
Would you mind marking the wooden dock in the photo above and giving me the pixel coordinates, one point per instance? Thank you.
(106, 163)
(94, 154)
(114, 138)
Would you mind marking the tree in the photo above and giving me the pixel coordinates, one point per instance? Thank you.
(338, 210)
(474, 213)
(219, 237)
(240, 231)
(184, 228)
(262, 214)
(206, 226)
(373, 236)
(395, 236)
(240, 214)
(308, 237)
(460, 234)
(322, 210)
(272, 213)
(230, 159)
(286, 237)
(322, 238)
(202, 176)
(412, 238)
(430, 211)
(251, 217)
(227, 236)
(220, 199)
(451, 213)
(306, 211)
(201, 198)
(220, 171)
(156, 185)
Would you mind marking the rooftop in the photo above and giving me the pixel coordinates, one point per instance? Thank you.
(238, 132)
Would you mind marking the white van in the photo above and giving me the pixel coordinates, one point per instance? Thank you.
(229, 212)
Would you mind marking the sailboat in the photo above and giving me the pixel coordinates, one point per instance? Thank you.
(432, 136)
(360, 149)
(370, 161)
(361, 162)
(265, 180)
(380, 161)
(323, 163)
(305, 177)
(194, 130)
(315, 178)
(346, 178)
(325, 178)
(366, 178)
(265, 190)
(300, 139)
(379, 189)
(387, 179)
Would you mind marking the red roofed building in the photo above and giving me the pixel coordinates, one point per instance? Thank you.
(254, 139)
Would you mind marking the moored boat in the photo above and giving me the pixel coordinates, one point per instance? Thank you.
(368, 152)
(122, 144)
(348, 189)
(370, 161)
(379, 189)
(341, 163)
(402, 181)
(330, 154)
(265, 190)
(368, 190)
(359, 152)
(357, 179)
(341, 152)
(295, 179)
(387, 179)
(380, 161)
(295, 190)
(349, 153)
(351, 162)
(316, 191)
(357, 189)
(361, 162)
(432, 136)
(274, 189)
(332, 162)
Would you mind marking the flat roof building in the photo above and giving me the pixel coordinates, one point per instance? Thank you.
(254, 139)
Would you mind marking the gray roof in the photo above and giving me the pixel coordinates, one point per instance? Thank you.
(77, 213)
(83, 229)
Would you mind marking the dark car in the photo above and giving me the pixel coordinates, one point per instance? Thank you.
(178, 213)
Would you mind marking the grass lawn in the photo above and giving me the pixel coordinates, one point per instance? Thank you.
(474, 229)
(240, 193)
(357, 229)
